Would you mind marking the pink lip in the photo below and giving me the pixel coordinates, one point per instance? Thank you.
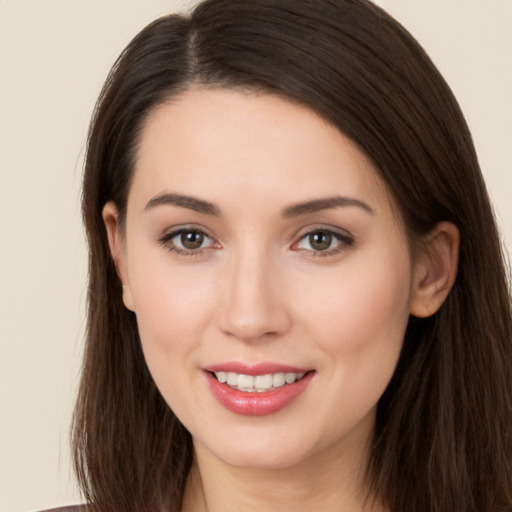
(254, 369)
(256, 404)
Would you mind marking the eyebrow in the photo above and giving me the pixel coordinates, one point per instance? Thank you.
(327, 203)
(182, 201)
(296, 210)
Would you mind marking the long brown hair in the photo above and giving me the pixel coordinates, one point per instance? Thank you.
(443, 437)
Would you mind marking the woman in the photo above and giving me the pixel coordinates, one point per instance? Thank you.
(297, 295)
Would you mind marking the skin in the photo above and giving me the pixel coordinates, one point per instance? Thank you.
(259, 290)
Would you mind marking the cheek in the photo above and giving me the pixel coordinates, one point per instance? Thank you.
(173, 303)
(368, 300)
(359, 326)
(359, 320)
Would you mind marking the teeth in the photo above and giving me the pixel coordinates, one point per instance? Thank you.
(263, 381)
(278, 380)
(258, 383)
(290, 378)
(245, 381)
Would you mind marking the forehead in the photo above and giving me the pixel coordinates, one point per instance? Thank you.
(213, 143)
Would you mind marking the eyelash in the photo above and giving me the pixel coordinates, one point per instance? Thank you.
(167, 242)
(344, 241)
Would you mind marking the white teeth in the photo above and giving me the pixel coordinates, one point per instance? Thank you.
(222, 376)
(258, 383)
(263, 381)
(290, 378)
(278, 380)
(245, 381)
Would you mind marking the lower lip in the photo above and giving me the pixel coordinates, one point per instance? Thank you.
(257, 404)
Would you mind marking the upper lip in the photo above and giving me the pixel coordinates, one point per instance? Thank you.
(254, 369)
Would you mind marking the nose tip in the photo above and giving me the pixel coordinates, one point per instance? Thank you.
(253, 320)
(251, 329)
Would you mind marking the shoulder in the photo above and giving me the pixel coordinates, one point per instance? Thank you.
(69, 508)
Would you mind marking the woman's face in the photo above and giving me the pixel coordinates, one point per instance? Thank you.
(262, 248)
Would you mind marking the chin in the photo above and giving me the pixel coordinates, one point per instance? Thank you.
(259, 449)
(258, 459)
(268, 444)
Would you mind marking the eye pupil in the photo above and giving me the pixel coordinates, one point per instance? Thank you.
(192, 239)
(320, 241)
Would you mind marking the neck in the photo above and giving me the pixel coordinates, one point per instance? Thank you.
(325, 482)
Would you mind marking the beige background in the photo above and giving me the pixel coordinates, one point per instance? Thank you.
(54, 56)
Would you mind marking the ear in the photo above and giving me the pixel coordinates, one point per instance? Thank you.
(110, 216)
(435, 270)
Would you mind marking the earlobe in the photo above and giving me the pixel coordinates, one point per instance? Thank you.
(110, 216)
(436, 270)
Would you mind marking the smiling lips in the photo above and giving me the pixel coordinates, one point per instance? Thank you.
(258, 390)
(259, 383)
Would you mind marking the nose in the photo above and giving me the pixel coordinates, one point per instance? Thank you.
(254, 306)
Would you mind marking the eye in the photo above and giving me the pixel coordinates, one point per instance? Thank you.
(187, 241)
(324, 242)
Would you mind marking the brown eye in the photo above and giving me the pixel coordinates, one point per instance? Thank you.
(323, 242)
(192, 239)
(320, 240)
(188, 241)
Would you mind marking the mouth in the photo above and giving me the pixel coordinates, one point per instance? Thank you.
(258, 383)
(257, 390)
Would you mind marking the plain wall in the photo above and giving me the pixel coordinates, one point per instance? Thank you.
(54, 56)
